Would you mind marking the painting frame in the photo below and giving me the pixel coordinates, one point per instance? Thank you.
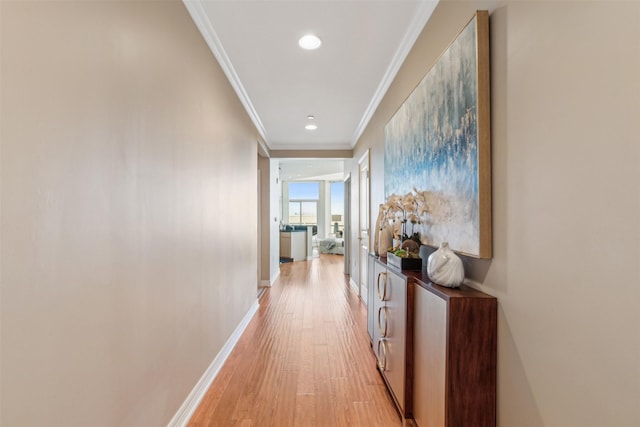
(438, 142)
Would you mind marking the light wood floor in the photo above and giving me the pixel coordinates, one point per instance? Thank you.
(304, 360)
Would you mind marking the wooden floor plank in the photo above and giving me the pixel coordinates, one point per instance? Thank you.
(304, 360)
(305, 414)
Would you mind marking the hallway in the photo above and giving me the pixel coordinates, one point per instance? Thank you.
(304, 360)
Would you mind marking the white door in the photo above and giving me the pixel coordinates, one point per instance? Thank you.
(259, 239)
(363, 223)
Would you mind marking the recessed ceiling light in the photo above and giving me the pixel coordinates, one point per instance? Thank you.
(311, 117)
(311, 127)
(309, 42)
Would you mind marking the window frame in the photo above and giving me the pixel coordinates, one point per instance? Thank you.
(300, 203)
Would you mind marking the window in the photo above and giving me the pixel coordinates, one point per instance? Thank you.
(337, 208)
(303, 202)
(303, 212)
(304, 191)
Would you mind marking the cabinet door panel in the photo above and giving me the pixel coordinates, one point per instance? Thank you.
(379, 282)
(396, 332)
(370, 298)
(299, 246)
(285, 245)
(430, 334)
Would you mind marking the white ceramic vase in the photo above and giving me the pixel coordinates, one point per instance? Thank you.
(445, 268)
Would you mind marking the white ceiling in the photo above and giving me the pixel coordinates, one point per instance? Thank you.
(341, 83)
(311, 169)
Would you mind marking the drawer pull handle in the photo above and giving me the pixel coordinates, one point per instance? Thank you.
(382, 355)
(383, 332)
(382, 295)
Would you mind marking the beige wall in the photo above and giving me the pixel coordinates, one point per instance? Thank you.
(126, 161)
(566, 168)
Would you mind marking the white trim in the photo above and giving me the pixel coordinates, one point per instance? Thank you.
(354, 286)
(364, 165)
(265, 283)
(425, 9)
(275, 276)
(263, 149)
(199, 16)
(364, 157)
(182, 417)
(278, 146)
(364, 295)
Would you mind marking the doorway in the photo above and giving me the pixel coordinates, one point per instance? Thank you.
(260, 216)
(347, 225)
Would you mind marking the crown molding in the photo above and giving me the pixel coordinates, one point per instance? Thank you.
(263, 150)
(425, 9)
(315, 146)
(200, 18)
(309, 154)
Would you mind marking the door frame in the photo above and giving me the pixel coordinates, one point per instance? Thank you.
(347, 224)
(363, 164)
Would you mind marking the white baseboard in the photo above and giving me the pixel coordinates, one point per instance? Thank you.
(354, 285)
(182, 417)
(267, 283)
(275, 277)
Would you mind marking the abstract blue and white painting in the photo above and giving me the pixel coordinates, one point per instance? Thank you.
(431, 144)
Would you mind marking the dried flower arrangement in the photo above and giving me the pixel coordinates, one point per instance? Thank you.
(398, 213)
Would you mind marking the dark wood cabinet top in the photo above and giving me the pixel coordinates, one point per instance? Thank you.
(420, 278)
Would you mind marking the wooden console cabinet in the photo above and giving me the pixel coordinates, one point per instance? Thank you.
(436, 347)
(454, 357)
